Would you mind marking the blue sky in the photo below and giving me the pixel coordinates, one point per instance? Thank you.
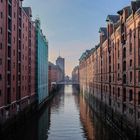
(71, 26)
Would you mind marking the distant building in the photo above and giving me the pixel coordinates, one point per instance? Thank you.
(55, 74)
(61, 63)
(67, 78)
(75, 74)
(41, 64)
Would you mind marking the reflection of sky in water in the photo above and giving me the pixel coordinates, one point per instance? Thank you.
(66, 125)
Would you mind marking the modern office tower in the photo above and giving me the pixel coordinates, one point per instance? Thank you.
(61, 63)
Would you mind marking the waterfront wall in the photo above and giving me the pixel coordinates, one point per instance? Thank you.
(110, 72)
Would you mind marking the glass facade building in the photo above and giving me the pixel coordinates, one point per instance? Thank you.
(41, 64)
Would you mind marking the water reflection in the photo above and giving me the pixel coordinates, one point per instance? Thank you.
(65, 122)
(66, 117)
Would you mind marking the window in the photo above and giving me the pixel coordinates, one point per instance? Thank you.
(1, 14)
(139, 77)
(124, 78)
(130, 33)
(13, 52)
(139, 98)
(118, 53)
(13, 89)
(124, 66)
(130, 49)
(139, 56)
(130, 76)
(118, 92)
(1, 30)
(131, 63)
(124, 94)
(130, 95)
(113, 91)
(14, 27)
(118, 76)
(118, 66)
(0, 77)
(14, 65)
(14, 15)
(124, 53)
(0, 61)
(14, 40)
(13, 77)
(130, 111)
(138, 115)
(0, 46)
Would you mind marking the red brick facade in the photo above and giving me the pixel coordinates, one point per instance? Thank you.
(55, 75)
(75, 75)
(111, 71)
(17, 58)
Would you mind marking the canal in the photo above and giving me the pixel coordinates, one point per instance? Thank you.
(66, 117)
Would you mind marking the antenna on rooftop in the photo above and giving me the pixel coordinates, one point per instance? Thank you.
(59, 52)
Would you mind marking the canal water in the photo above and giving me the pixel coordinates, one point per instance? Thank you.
(66, 117)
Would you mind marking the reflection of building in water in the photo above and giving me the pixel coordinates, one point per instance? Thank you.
(86, 121)
(44, 124)
(94, 128)
(58, 100)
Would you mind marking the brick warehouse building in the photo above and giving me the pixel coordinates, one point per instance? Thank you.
(55, 75)
(17, 58)
(75, 75)
(110, 72)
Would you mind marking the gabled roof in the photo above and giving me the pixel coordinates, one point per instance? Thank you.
(128, 8)
(28, 11)
(112, 18)
(103, 30)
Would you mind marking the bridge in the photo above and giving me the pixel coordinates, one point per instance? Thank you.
(67, 83)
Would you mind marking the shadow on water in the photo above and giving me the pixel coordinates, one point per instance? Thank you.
(66, 117)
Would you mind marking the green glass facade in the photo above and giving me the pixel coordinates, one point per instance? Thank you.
(41, 64)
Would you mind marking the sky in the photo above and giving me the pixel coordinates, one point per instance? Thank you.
(71, 26)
